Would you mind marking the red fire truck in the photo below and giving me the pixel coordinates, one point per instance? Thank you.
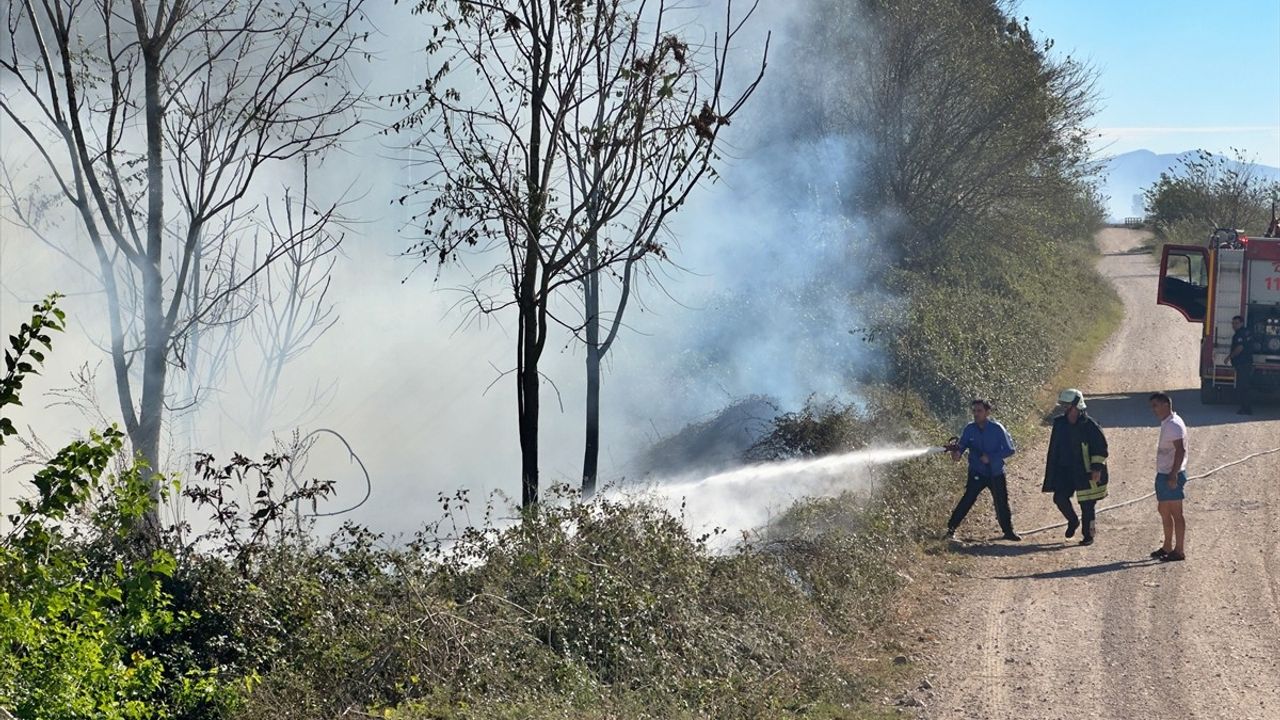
(1232, 274)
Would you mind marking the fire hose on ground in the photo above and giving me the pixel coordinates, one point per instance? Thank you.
(953, 445)
(1151, 494)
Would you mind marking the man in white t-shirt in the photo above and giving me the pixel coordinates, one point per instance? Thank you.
(1171, 476)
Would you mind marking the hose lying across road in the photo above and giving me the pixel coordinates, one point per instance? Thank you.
(1126, 503)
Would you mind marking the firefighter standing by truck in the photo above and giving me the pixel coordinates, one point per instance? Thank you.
(1076, 464)
(1242, 361)
(1232, 281)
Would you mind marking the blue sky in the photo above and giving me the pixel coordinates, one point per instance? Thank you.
(1178, 74)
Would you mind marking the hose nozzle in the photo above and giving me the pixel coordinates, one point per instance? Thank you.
(953, 445)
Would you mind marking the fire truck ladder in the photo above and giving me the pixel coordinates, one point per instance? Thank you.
(1227, 294)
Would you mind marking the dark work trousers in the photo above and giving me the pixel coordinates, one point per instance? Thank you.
(1062, 498)
(1244, 384)
(999, 494)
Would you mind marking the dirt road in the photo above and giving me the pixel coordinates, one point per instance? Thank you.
(1047, 629)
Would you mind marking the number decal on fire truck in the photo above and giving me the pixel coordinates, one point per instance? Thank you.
(1273, 281)
(1264, 282)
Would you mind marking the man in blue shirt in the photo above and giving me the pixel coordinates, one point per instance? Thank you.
(988, 445)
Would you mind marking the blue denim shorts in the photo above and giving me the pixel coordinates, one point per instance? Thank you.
(1164, 492)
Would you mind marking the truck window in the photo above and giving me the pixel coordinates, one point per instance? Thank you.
(1190, 269)
(1184, 280)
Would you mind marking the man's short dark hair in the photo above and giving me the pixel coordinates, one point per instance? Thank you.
(1162, 398)
(986, 404)
(1237, 317)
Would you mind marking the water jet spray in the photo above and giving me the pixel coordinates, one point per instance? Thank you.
(745, 499)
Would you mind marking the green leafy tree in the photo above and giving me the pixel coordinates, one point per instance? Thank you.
(1207, 191)
(960, 109)
(971, 139)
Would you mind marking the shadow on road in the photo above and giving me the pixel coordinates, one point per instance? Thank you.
(1087, 571)
(1132, 410)
(1007, 549)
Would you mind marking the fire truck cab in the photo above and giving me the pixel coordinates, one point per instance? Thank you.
(1231, 275)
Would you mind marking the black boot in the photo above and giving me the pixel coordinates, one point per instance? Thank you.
(1088, 525)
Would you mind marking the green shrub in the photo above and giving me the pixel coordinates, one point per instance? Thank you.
(80, 595)
(1208, 191)
(1000, 311)
(574, 601)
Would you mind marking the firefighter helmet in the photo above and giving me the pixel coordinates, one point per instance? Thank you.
(1072, 396)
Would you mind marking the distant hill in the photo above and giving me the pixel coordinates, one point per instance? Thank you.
(1125, 176)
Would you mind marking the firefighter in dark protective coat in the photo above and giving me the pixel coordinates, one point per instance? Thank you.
(1076, 464)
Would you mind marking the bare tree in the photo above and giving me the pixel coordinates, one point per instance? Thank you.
(240, 353)
(294, 308)
(539, 125)
(632, 162)
(154, 119)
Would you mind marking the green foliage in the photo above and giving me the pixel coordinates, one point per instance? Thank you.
(623, 591)
(977, 165)
(601, 609)
(68, 626)
(573, 603)
(958, 108)
(1004, 307)
(20, 355)
(77, 596)
(1209, 191)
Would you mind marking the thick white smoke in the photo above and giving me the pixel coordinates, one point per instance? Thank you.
(766, 302)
